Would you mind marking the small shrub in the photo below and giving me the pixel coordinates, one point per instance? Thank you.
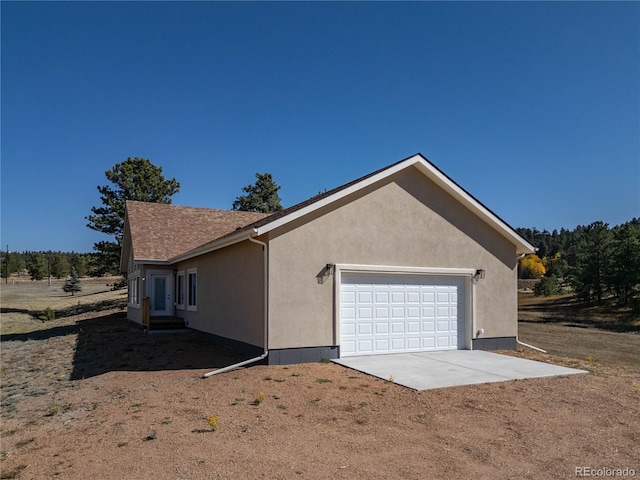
(37, 392)
(213, 422)
(47, 315)
(52, 410)
(119, 285)
(259, 399)
(547, 286)
(72, 285)
(323, 380)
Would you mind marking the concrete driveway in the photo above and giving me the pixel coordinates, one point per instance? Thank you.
(452, 368)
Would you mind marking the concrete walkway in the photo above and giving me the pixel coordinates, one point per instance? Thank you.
(451, 368)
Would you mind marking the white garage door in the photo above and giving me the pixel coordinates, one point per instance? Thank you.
(386, 313)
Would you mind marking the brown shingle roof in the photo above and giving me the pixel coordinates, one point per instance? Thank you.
(161, 231)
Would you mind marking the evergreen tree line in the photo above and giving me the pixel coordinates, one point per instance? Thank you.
(596, 261)
(41, 265)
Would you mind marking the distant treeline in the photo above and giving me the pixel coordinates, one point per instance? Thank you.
(40, 265)
(595, 260)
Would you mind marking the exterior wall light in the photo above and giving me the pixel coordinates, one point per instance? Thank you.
(478, 275)
(330, 268)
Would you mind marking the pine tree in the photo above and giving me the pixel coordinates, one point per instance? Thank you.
(134, 179)
(37, 265)
(261, 197)
(72, 285)
(624, 274)
(592, 262)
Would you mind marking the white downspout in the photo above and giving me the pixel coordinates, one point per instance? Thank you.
(530, 346)
(265, 248)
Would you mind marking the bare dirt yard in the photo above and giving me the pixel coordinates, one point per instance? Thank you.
(90, 396)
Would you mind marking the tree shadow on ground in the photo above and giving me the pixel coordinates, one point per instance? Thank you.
(569, 311)
(617, 327)
(112, 343)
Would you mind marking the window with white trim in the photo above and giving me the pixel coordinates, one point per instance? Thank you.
(134, 291)
(192, 289)
(180, 290)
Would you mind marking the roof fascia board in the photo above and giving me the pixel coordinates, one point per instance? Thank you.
(150, 262)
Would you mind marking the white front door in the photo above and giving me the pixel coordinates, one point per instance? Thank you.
(161, 295)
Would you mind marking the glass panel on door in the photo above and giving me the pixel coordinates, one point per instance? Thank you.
(159, 293)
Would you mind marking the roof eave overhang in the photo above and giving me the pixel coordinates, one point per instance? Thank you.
(147, 261)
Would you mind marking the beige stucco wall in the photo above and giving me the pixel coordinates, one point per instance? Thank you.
(404, 221)
(230, 293)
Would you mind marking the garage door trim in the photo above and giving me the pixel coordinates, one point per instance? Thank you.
(464, 274)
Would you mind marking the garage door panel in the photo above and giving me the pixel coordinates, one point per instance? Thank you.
(413, 297)
(348, 329)
(397, 298)
(365, 297)
(413, 327)
(348, 313)
(382, 298)
(348, 297)
(428, 344)
(365, 346)
(394, 313)
(382, 328)
(428, 312)
(397, 327)
(429, 327)
(348, 347)
(428, 298)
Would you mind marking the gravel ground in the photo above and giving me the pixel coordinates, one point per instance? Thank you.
(92, 396)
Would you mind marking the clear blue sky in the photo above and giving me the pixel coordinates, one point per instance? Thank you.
(534, 108)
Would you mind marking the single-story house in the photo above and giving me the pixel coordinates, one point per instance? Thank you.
(400, 260)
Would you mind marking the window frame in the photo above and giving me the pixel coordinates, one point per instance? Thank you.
(133, 293)
(181, 284)
(192, 289)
